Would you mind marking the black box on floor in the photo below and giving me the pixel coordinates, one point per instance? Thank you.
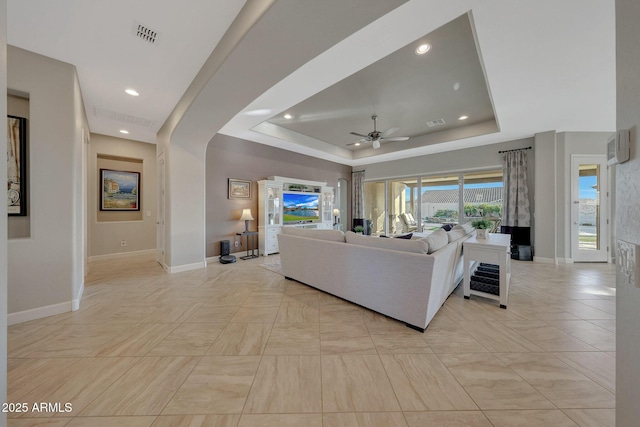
(521, 252)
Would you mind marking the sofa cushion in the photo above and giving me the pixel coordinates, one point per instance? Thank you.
(466, 228)
(436, 240)
(415, 246)
(313, 233)
(455, 234)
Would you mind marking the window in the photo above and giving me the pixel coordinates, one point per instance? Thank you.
(425, 203)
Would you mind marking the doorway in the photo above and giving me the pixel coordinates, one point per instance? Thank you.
(589, 208)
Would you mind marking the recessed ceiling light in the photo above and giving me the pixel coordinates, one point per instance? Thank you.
(132, 92)
(288, 116)
(463, 117)
(124, 131)
(423, 48)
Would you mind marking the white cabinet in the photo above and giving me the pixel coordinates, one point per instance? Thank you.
(271, 213)
(269, 216)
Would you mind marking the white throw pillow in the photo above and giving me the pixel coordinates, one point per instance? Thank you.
(455, 234)
(437, 240)
(466, 228)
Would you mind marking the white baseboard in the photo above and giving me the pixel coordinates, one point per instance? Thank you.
(187, 267)
(121, 255)
(565, 261)
(544, 260)
(39, 313)
(75, 304)
(212, 259)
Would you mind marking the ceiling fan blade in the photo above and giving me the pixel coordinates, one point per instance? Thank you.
(362, 141)
(358, 134)
(389, 131)
(397, 138)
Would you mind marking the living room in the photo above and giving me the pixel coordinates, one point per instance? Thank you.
(197, 220)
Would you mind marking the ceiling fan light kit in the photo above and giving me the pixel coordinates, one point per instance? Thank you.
(377, 137)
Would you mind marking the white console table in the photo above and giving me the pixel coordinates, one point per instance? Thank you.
(493, 250)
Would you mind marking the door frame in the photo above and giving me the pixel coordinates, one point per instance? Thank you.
(602, 255)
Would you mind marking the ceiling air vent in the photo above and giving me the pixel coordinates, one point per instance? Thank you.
(145, 33)
(434, 123)
(121, 117)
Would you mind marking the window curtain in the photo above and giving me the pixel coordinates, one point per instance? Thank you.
(515, 197)
(357, 198)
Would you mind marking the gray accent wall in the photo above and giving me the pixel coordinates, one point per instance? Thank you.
(229, 157)
(628, 213)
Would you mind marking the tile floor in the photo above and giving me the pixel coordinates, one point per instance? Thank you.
(239, 345)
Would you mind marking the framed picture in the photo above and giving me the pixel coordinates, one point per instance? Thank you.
(239, 189)
(16, 165)
(120, 190)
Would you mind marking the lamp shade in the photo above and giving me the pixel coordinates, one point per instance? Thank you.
(246, 215)
(336, 212)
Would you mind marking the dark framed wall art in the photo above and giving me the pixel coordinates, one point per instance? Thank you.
(119, 190)
(239, 189)
(16, 166)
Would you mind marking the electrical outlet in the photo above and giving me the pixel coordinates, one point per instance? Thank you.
(123, 243)
(236, 243)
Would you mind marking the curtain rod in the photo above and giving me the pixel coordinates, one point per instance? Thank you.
(517, 149)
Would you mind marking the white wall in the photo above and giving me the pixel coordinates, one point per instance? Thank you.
(43, 273)
(628, 213)
(3, 211)
(459, 160)
(140, 234)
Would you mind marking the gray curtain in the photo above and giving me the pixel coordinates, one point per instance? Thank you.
(357, 195)
(515, 193)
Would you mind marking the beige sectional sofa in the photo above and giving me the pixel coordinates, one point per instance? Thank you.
(407, 280)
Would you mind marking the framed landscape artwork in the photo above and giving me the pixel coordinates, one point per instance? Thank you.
(120, 190)
(239, 189)
(16, 165)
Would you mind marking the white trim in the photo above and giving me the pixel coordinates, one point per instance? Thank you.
(75, 304)
(121, 255)
(564, 261)
(544, 260)
(38, 313)
(187, 267)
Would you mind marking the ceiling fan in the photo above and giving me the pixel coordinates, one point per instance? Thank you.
(377, 137)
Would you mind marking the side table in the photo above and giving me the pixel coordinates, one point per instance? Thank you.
(493, 250)
(253, 235)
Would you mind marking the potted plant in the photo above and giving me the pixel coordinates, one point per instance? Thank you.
(358, 229)
(482, 225)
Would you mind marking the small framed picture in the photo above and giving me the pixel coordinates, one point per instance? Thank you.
(120, 190)
(239, 189)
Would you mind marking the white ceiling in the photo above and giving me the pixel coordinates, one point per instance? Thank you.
(548, 66)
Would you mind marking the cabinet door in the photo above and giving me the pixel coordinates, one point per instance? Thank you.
(273, 208)
(327, 206)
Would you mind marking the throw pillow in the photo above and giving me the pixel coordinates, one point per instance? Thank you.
(405, 236)
(415, 246)
(455, 234)
(447, 227)
(437, 240)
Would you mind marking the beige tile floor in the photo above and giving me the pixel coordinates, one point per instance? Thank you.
(239, 345)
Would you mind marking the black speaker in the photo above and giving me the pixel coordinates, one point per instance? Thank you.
(224, 247)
